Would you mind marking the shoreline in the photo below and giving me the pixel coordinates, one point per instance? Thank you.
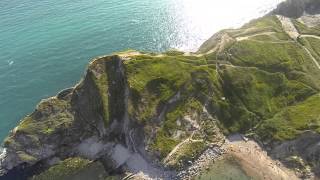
(204, 161)
(255, 161)
(252, 159)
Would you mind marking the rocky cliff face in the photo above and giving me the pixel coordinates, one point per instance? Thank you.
(297, 8)
(113, 117)
(153, 115)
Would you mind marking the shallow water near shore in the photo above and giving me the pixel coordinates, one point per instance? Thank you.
(224, 169)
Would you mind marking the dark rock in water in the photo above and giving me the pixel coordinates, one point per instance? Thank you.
(296, 8)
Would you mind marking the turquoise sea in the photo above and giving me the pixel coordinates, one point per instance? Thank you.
(45, 45)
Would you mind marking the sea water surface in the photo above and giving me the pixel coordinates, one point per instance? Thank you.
(224, 169)
(45, 45)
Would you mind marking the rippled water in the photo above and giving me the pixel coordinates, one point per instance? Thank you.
(45, 45)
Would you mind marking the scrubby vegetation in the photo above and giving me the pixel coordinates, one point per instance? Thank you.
(55, 114)
(154, 80)
(303, 29)
(267, 22)
(175, 128)
(293, 120)
(313, 44)
(187, 153)
(101, 80)
(257, 79)
(174, 52)
(65, 168)
(74, 169)
(270, 56)
(254, 95)
(287, 58)
(266, 74)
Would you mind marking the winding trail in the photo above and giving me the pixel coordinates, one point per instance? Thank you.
(273, 42)
(175, 149)
(312, 57)
(241, 38)
(290, 29)
(308, 35)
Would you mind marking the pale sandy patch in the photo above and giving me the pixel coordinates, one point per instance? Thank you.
(255, 161)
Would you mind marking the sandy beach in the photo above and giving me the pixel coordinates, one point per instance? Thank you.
(255, 161)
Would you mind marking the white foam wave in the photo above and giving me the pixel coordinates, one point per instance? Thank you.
(2, 153)
(10, 63)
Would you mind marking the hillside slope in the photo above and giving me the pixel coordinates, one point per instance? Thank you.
(153, 115)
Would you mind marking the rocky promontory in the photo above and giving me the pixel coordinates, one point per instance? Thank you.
(141, 115)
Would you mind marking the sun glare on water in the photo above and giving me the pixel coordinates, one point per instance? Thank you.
(199, 19)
